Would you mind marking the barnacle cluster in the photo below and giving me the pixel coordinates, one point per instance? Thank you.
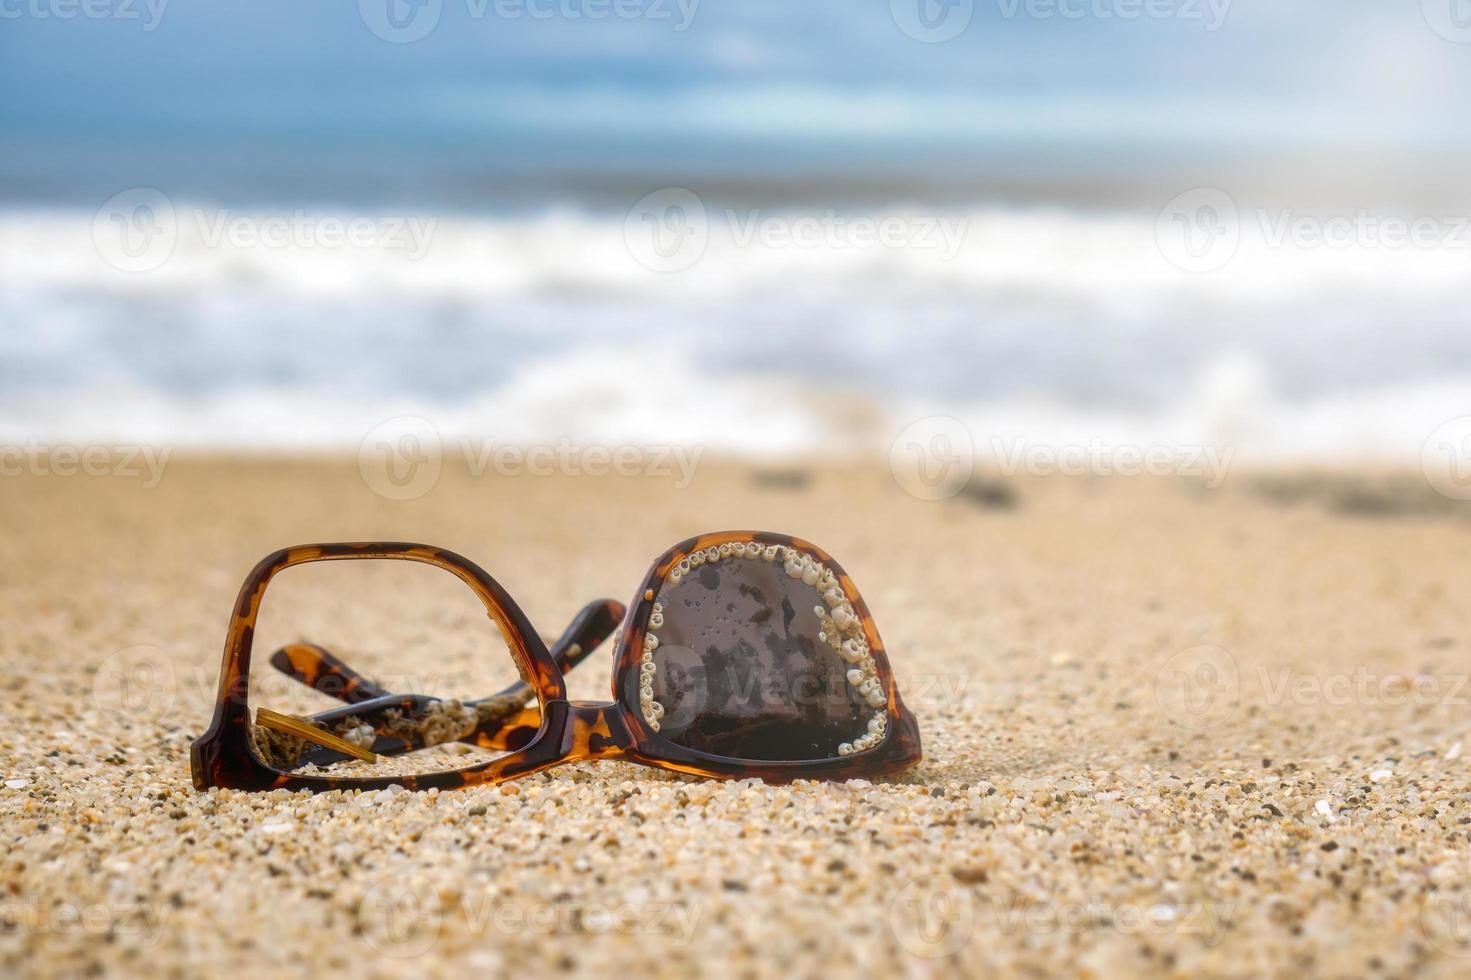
(841, 629)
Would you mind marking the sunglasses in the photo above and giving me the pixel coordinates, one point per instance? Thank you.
(743, 654)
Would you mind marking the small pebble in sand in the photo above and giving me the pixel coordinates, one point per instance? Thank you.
(1380, 775)
(1325, 808)
(17, 783)
(1453, 753)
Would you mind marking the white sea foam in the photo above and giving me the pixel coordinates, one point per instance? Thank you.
(1047, 326)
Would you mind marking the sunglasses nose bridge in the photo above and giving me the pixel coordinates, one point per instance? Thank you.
(590, 729)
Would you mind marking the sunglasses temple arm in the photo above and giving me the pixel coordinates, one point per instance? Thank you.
(593, 624)
(326, 673)
(320, 670)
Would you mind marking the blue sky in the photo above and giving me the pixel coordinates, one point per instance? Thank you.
(799, 87)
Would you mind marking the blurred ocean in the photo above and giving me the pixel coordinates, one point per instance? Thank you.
(1048, 281)
(1054, 325)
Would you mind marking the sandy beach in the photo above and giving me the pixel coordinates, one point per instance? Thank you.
(1168, 731)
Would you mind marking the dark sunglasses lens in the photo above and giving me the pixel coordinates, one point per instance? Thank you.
(756, 653)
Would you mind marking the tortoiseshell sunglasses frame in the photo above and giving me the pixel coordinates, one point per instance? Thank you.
(569, 731)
